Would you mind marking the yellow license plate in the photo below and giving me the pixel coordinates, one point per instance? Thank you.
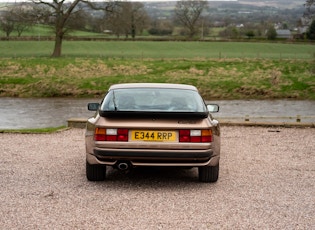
(147, 135)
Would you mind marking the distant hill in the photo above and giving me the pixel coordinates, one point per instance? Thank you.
(239, 12)
(281, 4)
(290, 4)
(273, 3)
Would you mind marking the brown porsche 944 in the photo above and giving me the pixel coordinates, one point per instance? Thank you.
(152, 124)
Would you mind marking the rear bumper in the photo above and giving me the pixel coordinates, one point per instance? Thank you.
(153, 157)
(179, 154)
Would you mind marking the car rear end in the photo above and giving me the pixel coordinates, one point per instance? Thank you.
(126, 140)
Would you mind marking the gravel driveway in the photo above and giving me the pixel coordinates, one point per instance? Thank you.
(267, 181)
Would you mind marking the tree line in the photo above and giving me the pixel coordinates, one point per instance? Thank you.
(125, 19)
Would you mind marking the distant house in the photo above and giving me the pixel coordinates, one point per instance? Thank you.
(284, 34)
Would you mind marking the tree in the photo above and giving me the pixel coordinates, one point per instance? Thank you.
(309, 14)
(114, 23)
(129, 18)
(310, 9)
(18, 17)
(310, 34)
(271, 33)
(188, 13)
(24, 17)
(139, 18)
(7, 23)
(61, 12)
(78, 21)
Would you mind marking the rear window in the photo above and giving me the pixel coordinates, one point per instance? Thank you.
(153, 100)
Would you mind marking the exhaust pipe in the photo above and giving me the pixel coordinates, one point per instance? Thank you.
(122, 166)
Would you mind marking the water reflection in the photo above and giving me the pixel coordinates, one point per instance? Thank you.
(19, 113)
(273, 108)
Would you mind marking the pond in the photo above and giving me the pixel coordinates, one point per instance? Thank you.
(22, 113)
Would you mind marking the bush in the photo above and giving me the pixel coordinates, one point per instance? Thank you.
(155, 31)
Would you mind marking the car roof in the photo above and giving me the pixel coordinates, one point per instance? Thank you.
(153, 85)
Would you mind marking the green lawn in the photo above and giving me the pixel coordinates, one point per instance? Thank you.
(159, 50)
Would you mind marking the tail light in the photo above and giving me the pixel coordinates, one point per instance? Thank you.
(185, 135)
(192, 135)
(102, 134)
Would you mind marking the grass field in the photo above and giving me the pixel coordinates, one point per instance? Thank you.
(159, 50)
(41, 31)
(220, 70)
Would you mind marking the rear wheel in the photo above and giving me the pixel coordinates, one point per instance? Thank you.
(95, 172)
(208, 173)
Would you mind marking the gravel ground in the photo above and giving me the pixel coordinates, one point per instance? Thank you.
(267, 181)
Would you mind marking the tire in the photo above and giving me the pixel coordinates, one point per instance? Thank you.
(95, 172)
(209, 173)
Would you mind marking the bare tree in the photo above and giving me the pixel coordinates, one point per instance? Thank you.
(129, 18)
(7, 23)
(78, 21)
(24, 18)
(61, 12)
(188, 14)
(117, 21)
(139, 18)
(18, 17)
